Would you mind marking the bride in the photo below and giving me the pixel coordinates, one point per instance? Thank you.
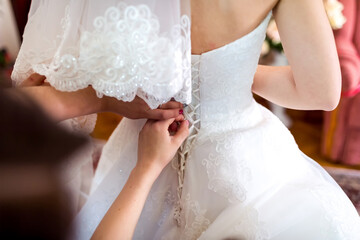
(240, 174)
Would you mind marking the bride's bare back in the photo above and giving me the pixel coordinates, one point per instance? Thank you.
(218, 22)
(312, 82)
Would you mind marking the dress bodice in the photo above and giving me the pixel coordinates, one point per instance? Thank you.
(222, 99)
(222, 78)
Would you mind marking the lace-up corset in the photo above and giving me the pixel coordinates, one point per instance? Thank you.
(225, 76)
(221, 94)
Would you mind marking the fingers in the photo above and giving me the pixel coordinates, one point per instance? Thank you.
(182, 133)
(34, 80)
(166, 123)
(174, 125)
(170, 123)
(180, 118)
(171, 105)
(161, 114)
(161, 125)
(147, 125)
(150, 121)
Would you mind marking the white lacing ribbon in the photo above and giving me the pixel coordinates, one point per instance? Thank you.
(192, 114)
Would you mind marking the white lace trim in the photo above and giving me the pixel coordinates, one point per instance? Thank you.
(200, 223)
(250, 226)
(125, 55)
(220, 168)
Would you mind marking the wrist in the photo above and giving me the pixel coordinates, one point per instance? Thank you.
(104, 104)
(87, 102)
(110, 104)
(149, 171)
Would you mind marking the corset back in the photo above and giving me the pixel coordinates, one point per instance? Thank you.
(222, 99)
(222, 81)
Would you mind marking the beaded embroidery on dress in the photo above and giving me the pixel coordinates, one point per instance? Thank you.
(240, 174)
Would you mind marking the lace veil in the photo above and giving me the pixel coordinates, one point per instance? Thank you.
(121, 48)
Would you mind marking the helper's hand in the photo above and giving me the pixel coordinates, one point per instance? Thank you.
(34, 79)
(157, 147)
(137, 109)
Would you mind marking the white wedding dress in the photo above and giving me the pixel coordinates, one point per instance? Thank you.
(239, 175)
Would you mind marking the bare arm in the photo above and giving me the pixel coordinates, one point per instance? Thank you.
(121, 219)
(64, 105)
(314, 80)
(156, 149)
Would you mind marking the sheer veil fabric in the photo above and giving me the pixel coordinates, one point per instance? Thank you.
(122, 48)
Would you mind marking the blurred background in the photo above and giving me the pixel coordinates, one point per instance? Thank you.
(330, 138)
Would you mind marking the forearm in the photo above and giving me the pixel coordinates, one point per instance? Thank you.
(278, 85)
(121, 219)
(64, 105)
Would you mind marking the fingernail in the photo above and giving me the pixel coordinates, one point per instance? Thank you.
(187, 122)
(181, 111)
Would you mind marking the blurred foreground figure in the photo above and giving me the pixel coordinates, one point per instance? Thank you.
(33, 149)
(33, 201)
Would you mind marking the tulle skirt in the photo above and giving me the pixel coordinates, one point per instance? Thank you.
(251, 183)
